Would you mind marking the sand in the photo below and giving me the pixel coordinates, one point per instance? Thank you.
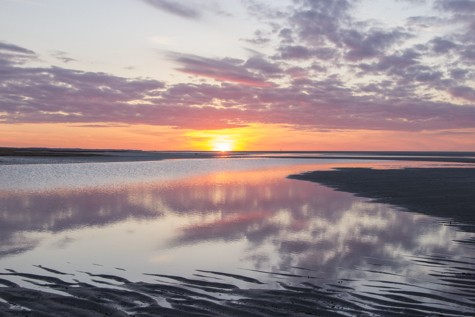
(214, 294)
(448, 193)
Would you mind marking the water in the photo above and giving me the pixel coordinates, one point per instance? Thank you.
(231, 216)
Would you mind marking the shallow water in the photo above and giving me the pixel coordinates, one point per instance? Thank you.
(218, 219)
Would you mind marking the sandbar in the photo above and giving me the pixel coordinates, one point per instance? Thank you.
(439, 192)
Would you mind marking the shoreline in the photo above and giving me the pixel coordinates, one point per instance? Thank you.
(14, 156)
(441, 192)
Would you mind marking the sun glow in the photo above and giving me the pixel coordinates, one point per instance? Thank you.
(222, 145)
(224, 140)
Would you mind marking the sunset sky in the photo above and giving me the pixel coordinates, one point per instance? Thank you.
(238, 74)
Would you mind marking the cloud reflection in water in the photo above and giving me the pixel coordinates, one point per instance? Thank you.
(284, 224)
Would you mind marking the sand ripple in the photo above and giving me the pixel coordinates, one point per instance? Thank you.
(447, 290)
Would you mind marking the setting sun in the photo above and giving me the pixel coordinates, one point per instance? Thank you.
(222, 146)
(226, 140)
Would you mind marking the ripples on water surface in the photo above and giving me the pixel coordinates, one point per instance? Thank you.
(235, 233)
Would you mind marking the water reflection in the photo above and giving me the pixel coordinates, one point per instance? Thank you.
(279, 224)
(289, 224)
(60, 211)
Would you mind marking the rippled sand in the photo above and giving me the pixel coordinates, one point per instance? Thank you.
(447, 290)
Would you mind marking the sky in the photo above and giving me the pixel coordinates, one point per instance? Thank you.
(238, 74)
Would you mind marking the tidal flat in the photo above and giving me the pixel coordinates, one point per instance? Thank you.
(234, 235)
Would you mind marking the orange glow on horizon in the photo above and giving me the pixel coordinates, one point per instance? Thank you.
(225, 140)
(255, 137)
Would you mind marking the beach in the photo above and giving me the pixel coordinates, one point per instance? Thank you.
(448, 193)
(403, 247)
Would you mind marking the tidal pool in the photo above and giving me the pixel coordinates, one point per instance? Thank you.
(241, 220)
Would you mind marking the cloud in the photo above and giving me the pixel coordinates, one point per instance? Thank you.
(175, 7)
(262, 66)
(228, 70)
(13, 54)
(48, 95)
(458, 6)
(463, 92)
(63, 57)
(424, 21)
(468, 53)
(324, 69)
(372, 43)
(318, 21)
(441, 45)
(10, 48)
(394, 63)
(259, 38)
(295, 52)
(459, 13)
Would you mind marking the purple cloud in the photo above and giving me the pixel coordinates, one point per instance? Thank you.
(295, 52)
(63, 95)
(262, 66)
(13, 54)
(326, 71)
(468, 53)
(6, 47)
(395, 63)
(228, 70)
(371, 43)
(458, 6)
(442, 46)
(463, 92)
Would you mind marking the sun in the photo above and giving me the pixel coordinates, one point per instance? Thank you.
(222, 146)
(223, 141)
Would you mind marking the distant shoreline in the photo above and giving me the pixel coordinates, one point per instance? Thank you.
(15, 156)
(19, 156)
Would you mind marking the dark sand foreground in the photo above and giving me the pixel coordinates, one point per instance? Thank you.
(440, 192)
(207, 293)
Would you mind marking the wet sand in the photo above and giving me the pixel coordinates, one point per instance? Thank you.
(207, 293)
(448, 193)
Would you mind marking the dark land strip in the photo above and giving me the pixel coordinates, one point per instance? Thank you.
(14, 156)
(442, 159)
(49, 155)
